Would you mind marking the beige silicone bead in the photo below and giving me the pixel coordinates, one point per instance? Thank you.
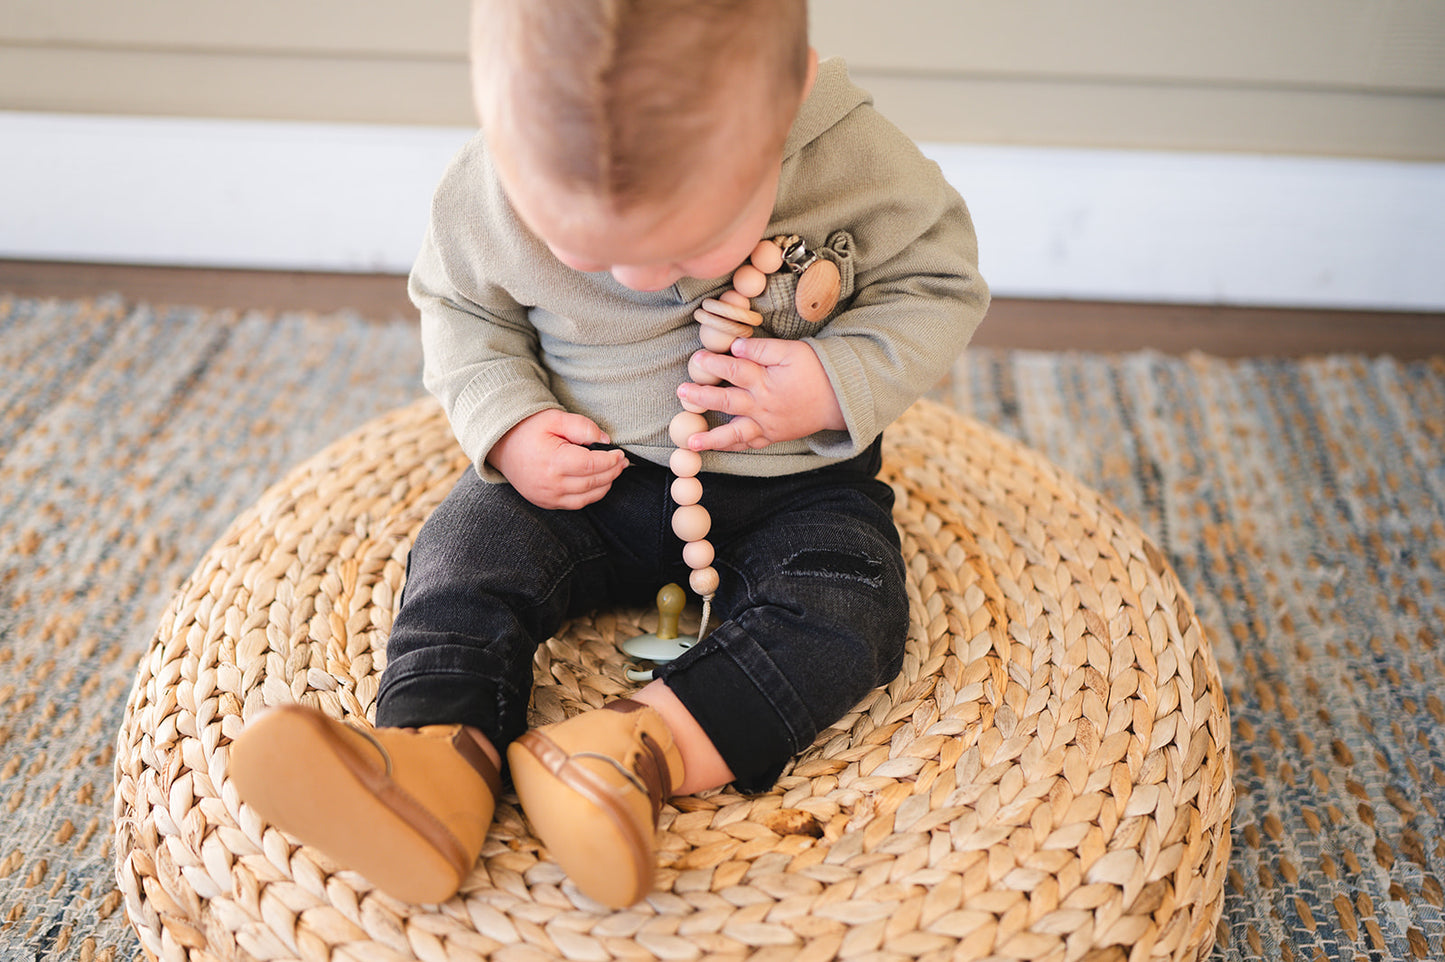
(749, 281)
(684, 425)
(698, 375)
(685, 463)
(704, 581)
(715, 340)
(686, 491)
(767, 257)
(735, 299)
(698, 554)
(691, 522)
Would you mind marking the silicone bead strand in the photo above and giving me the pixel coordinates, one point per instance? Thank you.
(723, 320)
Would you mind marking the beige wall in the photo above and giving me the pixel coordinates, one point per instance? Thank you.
(1342, 77)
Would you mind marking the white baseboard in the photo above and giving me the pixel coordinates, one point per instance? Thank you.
(1055, 223)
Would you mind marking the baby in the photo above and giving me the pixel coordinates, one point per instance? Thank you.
(632, 155)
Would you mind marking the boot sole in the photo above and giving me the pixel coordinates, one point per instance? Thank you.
(307, 781)
(608, 858)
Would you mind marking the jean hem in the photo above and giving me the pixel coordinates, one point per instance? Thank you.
(754, 734)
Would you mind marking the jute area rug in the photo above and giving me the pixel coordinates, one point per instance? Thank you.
(1301, 502)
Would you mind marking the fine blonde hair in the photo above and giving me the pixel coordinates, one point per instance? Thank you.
(613, 97)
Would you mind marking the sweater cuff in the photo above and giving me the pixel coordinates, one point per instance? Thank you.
(855, 398)
(491, 405)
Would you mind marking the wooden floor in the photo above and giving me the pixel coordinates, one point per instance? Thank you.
(1017, 323)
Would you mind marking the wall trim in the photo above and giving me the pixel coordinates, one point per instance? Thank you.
(1118, 225)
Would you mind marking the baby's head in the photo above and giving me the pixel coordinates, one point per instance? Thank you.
(641, 137)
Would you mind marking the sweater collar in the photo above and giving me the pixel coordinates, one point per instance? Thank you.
(832, 98)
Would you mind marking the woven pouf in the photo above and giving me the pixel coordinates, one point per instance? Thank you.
(1048, 778)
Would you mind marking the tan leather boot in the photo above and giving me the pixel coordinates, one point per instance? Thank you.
(592, 787)
(408, 808)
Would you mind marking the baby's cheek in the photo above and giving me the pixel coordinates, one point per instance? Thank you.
(720, 263)
(576, 263)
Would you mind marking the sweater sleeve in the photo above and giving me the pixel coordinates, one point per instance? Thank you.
(479, 351)
(917, 296)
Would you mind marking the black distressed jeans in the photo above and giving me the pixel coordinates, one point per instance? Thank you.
(811, 613)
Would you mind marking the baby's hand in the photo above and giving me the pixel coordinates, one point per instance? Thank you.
(546, 459)
(777, 390)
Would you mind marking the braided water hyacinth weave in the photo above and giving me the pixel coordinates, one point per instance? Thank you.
(1048, 778)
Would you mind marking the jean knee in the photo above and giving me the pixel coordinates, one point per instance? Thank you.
(848, 592)
(861, 606)
(486, 540)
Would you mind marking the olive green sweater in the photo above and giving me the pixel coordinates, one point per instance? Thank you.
(507, 330)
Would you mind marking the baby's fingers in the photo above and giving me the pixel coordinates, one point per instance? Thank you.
(584, 476)
(573, 461)
(739, 434)
(577, 429)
